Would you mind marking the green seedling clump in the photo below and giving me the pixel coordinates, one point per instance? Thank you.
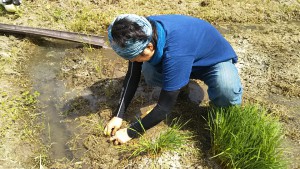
(171, 140)
(246, 137)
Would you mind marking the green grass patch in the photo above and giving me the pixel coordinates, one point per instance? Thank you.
(20, 127)
(17, 112)
(170, 140)
(93, 17)
(246, 137)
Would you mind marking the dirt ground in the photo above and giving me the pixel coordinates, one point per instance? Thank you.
(82, 84)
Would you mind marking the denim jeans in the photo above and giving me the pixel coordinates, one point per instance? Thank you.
(222, 79)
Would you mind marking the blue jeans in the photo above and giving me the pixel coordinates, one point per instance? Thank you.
(222, 79)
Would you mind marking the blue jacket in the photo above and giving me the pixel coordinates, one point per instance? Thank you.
(189, 43)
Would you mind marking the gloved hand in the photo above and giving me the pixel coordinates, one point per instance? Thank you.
(120, 137)
(113, 126)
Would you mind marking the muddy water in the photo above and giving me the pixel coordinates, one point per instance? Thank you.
(43, 69)
(56, 98)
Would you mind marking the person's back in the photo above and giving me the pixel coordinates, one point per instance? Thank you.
(190, 36)
(190, 43)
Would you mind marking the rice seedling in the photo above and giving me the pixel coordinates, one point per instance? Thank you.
(171, 140)
(246, 137)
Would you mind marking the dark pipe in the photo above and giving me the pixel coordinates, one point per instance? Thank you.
(69, 36)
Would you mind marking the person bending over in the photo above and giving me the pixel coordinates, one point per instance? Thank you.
(169, 50)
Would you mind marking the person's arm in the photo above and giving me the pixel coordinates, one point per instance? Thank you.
(167, 100)
(130, 85)
(129, 88)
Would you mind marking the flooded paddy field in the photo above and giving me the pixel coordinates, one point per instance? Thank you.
(79, 86)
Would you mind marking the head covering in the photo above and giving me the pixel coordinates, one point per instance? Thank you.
(132, 48)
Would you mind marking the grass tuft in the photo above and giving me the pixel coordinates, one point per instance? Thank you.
(171, 140)
(246, 137)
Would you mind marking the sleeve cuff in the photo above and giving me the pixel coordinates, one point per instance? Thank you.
(132, 134)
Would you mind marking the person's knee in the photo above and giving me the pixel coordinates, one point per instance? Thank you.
(228, 94)
(225, 88)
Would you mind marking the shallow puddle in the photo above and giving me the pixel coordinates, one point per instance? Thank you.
(43, 69)
(62, 103)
